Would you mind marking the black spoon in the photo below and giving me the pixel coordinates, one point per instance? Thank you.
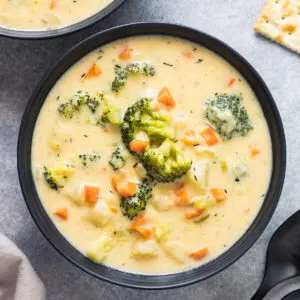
(283, 256)
(292, 296)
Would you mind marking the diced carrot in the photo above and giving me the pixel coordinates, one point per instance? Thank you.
(192, 213)
(254, 151)
(125, 53)
(143, 226)
(94, 71)
(62, 213)
(209, 136)
(115, 180)
(219, 194)
(52, 4)
(91, 193)
(188, 54)
(165, 97)
(231, 82)
(124, 187)
(199, 254)
(113, 210)
(182, 198)
(127, 188)
(139, 145)
(191, 138)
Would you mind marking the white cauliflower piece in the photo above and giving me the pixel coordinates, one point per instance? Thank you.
(146, 248)
(140, 171)
(198, 174)
(76, 192)
(175, 250)
(161, 232)
(205, 152)
(239, 171)
(162, 202)
(203, 202)
(100, 214)
(99, 249)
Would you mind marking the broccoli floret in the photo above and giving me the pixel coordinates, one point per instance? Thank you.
(66, 110)
(118, 158)
(122, 73)
(93, 103)
(79, 99)
(57, 175)
(75, 104)
(88, 158)
(51, 179)
(228, 116)
(110, 113)
(139, 117)
(132, 206)
(165, 163)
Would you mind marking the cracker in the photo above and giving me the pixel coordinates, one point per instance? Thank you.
(280, 22)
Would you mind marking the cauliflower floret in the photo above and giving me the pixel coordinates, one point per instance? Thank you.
(101, 214)
(239, 171)
(175, 250)
(146, 248)
(205, 152)
(162, 199)
(59, 136)
(99, 249)
(198, 174)
(162, 202)
(180, 123)
(203, 202)
(161, 232)
(76, 192)
(140, 171)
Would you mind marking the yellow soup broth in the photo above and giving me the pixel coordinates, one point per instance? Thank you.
(186, 222)
(47, 14)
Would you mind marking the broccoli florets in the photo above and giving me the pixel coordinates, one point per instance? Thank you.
(228, 116)
(122, 73)
(57, 175)
(88, 158)
(51, 179)
(93, 103)
(165, 163)
(118, 158)
(139, 117)
(78, 100)
(132, 206)
(110, 113)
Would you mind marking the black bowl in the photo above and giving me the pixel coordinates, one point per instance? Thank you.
(46, 34)
(152, 281)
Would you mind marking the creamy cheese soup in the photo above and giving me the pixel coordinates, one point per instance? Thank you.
(47, 14)
(152, 155)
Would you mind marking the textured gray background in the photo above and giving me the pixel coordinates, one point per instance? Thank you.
(23, 63)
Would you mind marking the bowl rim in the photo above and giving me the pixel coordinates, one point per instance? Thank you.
(174, 280)
(61, 31)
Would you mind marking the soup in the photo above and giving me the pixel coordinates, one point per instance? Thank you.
(152, 155)
(47, 14)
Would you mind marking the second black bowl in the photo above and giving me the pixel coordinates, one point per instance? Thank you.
(152, 281)
(51, 33)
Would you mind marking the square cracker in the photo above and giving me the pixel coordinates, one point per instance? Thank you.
(280, 21)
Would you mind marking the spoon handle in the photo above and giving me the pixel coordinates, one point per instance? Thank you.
(274, 274)
(292, 296)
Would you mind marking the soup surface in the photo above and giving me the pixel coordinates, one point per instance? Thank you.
(47, 14)
(152, 155)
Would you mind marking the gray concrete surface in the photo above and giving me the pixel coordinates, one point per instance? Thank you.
(23, 63)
